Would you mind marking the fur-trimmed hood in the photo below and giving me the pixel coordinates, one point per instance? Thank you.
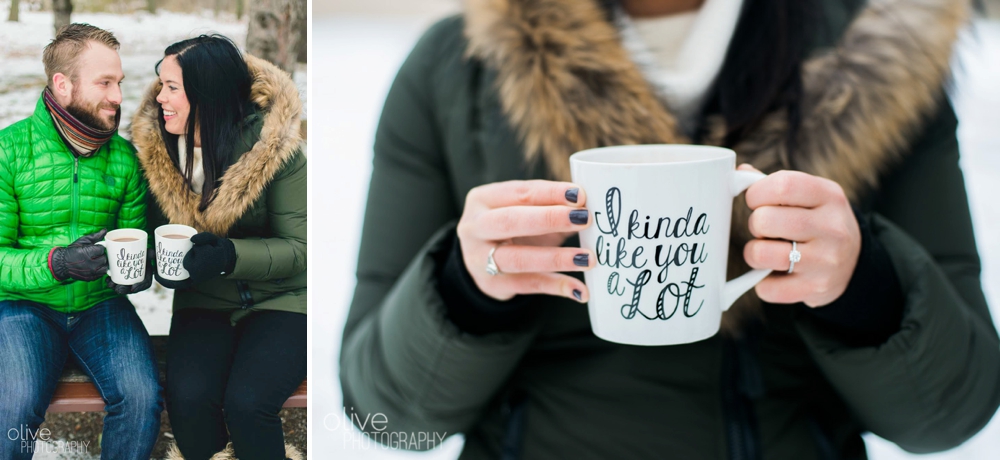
(274, 92)
(566, 83)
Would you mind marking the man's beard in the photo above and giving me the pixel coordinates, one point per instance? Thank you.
(91, 116)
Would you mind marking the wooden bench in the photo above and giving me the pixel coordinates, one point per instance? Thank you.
(75, 392)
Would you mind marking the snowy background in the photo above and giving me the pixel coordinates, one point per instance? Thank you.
(356, 55)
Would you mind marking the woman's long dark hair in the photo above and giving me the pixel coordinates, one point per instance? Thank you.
(762, 68)
(217, 84)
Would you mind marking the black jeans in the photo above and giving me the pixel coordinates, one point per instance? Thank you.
(245, 372)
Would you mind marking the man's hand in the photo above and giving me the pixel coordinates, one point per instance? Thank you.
(83, 260)
(146, 282)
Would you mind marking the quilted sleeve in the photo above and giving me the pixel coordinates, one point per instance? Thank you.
(21, 270)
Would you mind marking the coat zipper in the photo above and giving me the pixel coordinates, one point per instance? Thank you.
(246, 298)
(73, 211)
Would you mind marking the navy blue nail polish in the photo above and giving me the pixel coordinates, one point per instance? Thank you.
(581, 260)
(572, 195)
(578, 217)
(578, 294)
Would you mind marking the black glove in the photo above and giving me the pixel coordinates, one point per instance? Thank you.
(82, 260)
(171, 284)
(146, 282)
(210, 256)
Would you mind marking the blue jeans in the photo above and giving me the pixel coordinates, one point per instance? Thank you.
(112, 347)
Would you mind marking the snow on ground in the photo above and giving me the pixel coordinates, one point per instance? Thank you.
(356, 58)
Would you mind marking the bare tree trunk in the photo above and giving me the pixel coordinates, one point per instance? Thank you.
(239, 10)
(14, 10)
(302, 27)
(151, 6)
(62, 9)
(272, 34)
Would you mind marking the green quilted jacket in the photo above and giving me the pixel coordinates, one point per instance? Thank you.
(49, 197)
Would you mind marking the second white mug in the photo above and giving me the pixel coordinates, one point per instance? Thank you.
(173, 241)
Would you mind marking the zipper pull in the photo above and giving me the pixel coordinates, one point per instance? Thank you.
(76, 166)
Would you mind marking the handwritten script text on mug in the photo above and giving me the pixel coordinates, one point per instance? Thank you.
(131, 266)
(619, 255)
(170, 262)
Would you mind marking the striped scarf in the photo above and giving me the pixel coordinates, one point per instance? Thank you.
(82, 139)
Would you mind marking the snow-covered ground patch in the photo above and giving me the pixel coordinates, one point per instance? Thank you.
(355, 59)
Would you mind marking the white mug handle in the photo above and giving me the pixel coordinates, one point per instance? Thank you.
(734, 288)
(104, 244)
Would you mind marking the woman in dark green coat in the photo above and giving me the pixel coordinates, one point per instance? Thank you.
(882, 327)
(237, 346)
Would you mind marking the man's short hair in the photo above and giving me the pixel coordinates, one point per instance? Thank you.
(62, 54)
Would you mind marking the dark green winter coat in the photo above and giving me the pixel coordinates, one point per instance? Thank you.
(511, 80)
(50, 197)
(260, 204)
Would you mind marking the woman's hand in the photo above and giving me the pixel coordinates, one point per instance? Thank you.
(813, 212)
(209, 256)
(525, 221)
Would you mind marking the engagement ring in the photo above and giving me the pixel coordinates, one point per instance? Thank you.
(793, 257)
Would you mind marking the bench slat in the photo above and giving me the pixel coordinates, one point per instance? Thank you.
(84, 397)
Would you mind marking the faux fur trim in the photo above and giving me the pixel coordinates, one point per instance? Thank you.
(566, 84)
(276, 94)
(174, 453)
(565, 81)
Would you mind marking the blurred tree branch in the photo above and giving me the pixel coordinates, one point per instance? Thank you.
(275, 31)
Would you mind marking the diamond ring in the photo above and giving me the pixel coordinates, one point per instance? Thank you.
(793, 257)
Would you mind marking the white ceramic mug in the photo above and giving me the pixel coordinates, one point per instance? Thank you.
(170, 252)
(661, 233)
(126, 248)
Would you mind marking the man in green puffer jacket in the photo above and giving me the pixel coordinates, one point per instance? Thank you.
(66, 177)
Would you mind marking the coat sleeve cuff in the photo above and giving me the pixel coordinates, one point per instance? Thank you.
(467, 306)
(411, 362)
(871, 308)
(246, 266)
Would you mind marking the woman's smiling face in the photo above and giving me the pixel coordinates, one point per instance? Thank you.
(172, 98)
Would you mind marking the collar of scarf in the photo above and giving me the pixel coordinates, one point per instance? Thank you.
(82, 139)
